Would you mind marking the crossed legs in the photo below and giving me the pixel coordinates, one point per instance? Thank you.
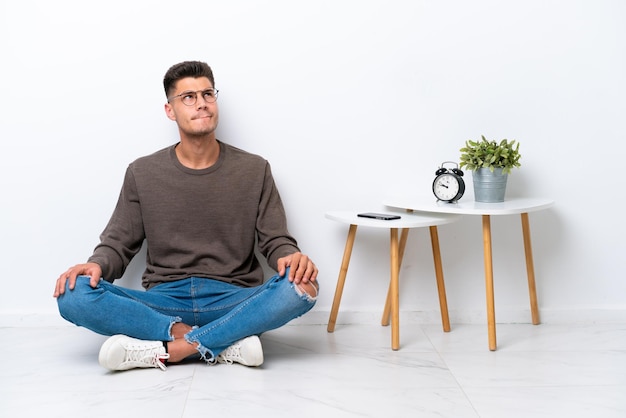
(190, 316)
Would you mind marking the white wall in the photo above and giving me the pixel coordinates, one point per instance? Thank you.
(350, 101)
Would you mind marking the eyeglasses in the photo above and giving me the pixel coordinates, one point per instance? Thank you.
(189, 98)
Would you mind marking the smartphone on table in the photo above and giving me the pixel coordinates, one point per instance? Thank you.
(381, 216)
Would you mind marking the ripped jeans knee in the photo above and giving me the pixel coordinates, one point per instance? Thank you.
(310, 289)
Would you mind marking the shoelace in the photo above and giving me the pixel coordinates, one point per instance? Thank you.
(148, 356)
(231, 352)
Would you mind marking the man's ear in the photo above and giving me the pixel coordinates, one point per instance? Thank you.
(169, 111)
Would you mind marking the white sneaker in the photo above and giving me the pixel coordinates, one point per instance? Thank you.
(120, 352)
(247, 352)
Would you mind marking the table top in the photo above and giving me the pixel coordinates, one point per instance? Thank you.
(407, 220)
(511, 206)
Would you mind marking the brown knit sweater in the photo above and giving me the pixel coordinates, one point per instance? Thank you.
(202, 223)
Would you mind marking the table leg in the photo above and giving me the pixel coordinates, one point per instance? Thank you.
(530, 269)
(491, 314)
(387, 310)
(343, 271)
(441, 288)
(395, 291)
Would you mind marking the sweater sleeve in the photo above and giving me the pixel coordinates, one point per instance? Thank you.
(124, 234)
(274, 240)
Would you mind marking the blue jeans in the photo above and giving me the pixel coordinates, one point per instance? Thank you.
(221, 313)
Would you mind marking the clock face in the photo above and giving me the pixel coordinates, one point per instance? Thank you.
(446, 187)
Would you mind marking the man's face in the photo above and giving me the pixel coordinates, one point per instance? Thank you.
(199, 119)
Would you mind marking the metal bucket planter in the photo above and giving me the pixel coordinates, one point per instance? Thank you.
(489, 187)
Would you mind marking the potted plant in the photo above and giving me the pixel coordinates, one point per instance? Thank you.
(490, 163)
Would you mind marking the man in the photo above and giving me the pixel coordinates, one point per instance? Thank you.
(202, 206)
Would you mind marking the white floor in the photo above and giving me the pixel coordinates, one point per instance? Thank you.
(537, 371)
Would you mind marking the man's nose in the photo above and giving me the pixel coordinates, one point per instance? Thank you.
(200, 101)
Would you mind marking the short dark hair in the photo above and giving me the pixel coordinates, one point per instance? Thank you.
(195, 69)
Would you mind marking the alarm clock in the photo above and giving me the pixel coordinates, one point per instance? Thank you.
(448, 185)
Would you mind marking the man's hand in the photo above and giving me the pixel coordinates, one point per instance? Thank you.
(302, 268)
(92, 270)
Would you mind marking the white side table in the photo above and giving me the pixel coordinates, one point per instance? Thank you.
(513, 206)
(406, 222)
